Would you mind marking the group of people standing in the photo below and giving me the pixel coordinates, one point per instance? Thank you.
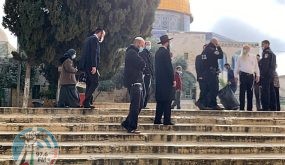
(253, 74)
(258, 76)
(137, 75)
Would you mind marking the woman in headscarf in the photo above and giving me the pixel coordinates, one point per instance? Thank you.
(68, 96)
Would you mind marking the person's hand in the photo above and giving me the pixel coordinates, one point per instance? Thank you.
(93, 71)
(174, 83)
(257, 79)
(76, 70)
(200, 78)
(229, 83)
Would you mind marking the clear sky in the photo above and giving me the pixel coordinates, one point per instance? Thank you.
(242, 20)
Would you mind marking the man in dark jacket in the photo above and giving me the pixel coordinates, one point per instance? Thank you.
(267, 70)
(148, 72)
(164, 76)
(202, 101)
(133, 80)
(90, 63)
(210, 57)
(231, 78)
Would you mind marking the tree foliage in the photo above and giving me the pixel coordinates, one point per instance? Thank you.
(47, 28)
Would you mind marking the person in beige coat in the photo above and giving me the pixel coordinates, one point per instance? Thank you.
(68, 96)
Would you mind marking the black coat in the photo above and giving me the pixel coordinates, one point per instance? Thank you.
(210, 57)
(146, 55)
(90, 53)
(199, 67)
(164, 75)
(134, 66)
(267, 64)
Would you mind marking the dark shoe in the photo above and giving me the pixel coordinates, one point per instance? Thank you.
(217, 108)
(158, 123)
(123, 124)
(134, 131)
(202, 107)
(168, 123)
(89, 106)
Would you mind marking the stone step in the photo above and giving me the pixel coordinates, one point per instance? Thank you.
(161, 148)
(148, 112)
(163, 159)
(188, 105)
(165, 137)
(142, 119)
(77, 127)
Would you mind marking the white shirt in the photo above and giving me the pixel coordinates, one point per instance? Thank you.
(247, 64)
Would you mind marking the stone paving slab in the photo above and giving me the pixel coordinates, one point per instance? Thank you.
(164, 159)
(142, 119)
(149, 136)
(162, 148)
(71, 127)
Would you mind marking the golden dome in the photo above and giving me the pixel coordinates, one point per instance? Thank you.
(181, 6)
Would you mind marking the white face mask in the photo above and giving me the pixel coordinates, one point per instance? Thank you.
(180, 72)
(73, 56)
(148, 47)
(141, 49)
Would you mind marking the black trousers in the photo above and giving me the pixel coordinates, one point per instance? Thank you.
(147, 85)
(136, 98)
(92, 82)
(268, 95)
(257, 96)
(246, 86)
(68, 96)
(212, 86)
(203, 93)
(278, 108)
(163, 108)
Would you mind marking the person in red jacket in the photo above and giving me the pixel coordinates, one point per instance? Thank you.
(178, 87)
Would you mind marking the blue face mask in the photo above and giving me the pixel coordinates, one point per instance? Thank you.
(141, 49)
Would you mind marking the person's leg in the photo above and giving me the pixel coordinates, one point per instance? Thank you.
(174, 104)
(147, 81)
(135, 98)
(277, 99)
(249, 92)
(62, 97)
(265, 94)
(158, 113)
(273, 101)
(178, 97)
(73, 97)
(213, 91)
(167, 113)
(257, 96)
(242, 89)
(92, 81)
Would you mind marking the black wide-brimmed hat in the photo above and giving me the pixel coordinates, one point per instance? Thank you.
(164, 39)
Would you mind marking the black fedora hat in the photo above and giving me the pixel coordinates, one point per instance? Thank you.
(164, 39)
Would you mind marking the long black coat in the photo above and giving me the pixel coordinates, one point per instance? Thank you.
(90, 53)
(164, 75)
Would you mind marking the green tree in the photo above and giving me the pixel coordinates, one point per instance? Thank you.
(47, 28)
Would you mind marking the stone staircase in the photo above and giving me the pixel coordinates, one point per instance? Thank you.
(95, 137)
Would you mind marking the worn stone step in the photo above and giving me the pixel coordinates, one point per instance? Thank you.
(163, 159)
(166, 137)
(149, 112)
(142, 119)
(161, 148)
(77, 127)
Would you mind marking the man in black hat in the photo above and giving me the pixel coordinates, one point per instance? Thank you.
(164, 76)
